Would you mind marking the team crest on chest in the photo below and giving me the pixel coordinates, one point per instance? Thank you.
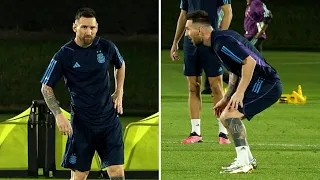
(100, 57)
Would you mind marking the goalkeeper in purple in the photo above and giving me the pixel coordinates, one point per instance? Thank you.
(94, 124)
(256, 21)
(254, 85)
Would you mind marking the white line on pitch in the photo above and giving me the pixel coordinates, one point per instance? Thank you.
(275, 62)
(260, 144)
(297, 63)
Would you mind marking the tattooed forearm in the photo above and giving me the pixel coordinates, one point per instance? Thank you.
(232, 86)
(50, 99)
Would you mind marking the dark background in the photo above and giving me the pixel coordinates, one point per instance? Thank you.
(118, 17)
(294, 25)
(32, 31)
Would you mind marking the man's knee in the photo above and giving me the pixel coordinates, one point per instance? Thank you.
(194, 83)
(115, 171)
(222, 118)
(77, 175)
(226, 114)
(216, 85)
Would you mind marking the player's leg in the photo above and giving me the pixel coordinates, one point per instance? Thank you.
(259, 95)
(207, 89)
(79, 152)
(192, 70)
(109, 145)
(194, 102)
(214, 71)
(225, 77)
(78, 175)
(116, 172)
(217, 92)
(232, 120)
(258, 45)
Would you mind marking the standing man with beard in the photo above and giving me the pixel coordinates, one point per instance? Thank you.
(94, 124)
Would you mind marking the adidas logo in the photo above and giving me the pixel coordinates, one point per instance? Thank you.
(76, 65)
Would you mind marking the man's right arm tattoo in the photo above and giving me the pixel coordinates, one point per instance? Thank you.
(50, 99)
(232, 86)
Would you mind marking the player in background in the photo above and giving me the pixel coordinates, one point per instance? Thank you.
(256, 21)
(199, 58)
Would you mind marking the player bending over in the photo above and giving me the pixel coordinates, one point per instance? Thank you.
(254, 85)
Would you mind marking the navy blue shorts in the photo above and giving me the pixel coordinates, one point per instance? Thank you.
(200, 58)
(260, 95)
(81, 146)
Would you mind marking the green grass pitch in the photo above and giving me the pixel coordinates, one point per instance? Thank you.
(284, 138)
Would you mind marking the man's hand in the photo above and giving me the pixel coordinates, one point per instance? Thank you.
(235, 101)
(220, 106)
(117, 100)
(63, 124)
(174, 52)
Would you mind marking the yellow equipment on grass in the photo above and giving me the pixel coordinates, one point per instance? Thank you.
(294, 97)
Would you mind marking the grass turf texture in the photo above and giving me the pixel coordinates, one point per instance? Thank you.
(284, 138)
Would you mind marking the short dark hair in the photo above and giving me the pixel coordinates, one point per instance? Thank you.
(199, 16)
(85, 12)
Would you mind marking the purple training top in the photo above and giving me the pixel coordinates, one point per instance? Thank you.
(255, 13)
(232, 49)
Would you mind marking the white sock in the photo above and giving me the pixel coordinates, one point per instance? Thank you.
(222, 129)
(249, 154)
(242, 155)
(195, 123)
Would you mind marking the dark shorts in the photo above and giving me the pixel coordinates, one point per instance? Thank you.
(260, 95)
(200, 58)
(81, 146)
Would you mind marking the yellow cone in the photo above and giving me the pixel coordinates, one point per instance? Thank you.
(300, 90)
(298, 96)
